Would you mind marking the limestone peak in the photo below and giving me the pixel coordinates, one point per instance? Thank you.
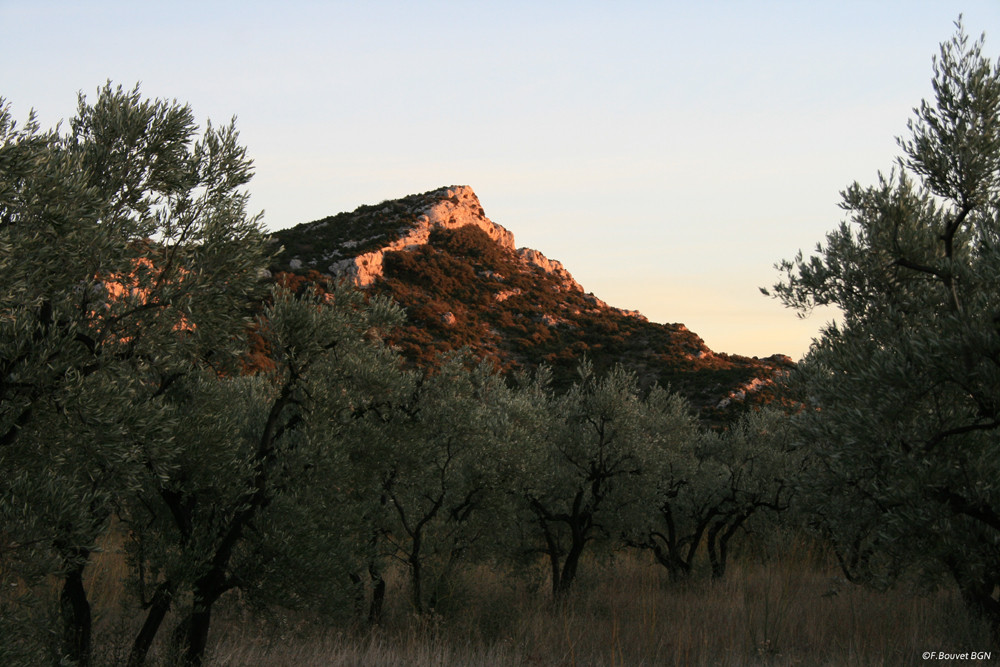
(359, 240)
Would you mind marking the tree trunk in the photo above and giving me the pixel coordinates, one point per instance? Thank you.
(359, 593)
(556, 572)
(724, 545)
(415, 583)
(677, 569)
(74, 610)
(718, 544)
(158, 608)
(207, 590)
(569, 571)
(552, 550)
(197, 640)
(715, 558)
(378, 596)
(572, 561)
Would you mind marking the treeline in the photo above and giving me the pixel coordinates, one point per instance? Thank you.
(241, 435)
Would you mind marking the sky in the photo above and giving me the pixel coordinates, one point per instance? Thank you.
(668, 153)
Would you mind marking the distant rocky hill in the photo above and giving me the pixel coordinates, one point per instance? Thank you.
(463, 283)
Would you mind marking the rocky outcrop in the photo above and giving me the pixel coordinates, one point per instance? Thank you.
(449, 208)
(535, 258)
(405, 224)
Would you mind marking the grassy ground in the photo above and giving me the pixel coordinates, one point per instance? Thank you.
(787, 610)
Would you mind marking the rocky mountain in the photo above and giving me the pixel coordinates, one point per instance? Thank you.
(464, 283)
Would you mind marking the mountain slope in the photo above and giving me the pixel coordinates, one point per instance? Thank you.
(464, 283)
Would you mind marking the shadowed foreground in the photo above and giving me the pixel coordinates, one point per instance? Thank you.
(788, 607)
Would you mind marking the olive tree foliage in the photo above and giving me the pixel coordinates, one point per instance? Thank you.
(707, 488)
(901, 420)
(255, 497)
(435, 480)
(125, 248)
(587, 466)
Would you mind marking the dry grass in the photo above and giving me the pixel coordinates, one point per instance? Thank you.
(787, 610)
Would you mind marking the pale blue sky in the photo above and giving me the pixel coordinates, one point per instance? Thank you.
(668, 153)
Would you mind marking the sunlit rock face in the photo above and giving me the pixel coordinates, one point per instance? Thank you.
(536, 258)
(458, 206)
(448, 208)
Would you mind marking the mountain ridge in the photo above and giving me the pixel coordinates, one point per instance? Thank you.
(464, 283)
(448, 207)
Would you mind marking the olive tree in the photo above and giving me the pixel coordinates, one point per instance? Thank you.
(705, 488)
(125, 249)
(587, 465)
(434, 474)
(900, 416)
(256, 453)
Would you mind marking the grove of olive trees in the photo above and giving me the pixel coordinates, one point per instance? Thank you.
(240, 440)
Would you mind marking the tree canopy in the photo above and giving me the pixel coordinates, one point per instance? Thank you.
(128, 259)
(900, 417)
